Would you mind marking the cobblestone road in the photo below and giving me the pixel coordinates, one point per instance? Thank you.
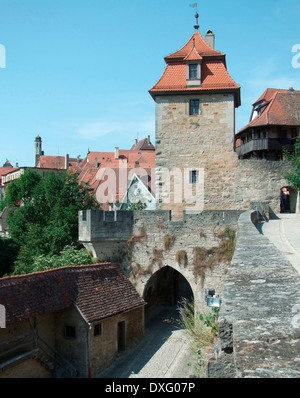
(164, 352)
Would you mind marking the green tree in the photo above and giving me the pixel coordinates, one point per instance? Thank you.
(294, 175)
(8, 253)
(43, 216)
(70, 255)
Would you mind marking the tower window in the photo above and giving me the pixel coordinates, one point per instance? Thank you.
(194, 107)
(194, 176)
(193, 71)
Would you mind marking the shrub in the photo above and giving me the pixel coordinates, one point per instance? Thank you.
(181, 257)
(169, 241)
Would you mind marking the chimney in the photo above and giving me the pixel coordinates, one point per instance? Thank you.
(135, 141)
(66, 161)
(116, 152)
(210, 38)
(96, 163)
(148, 139)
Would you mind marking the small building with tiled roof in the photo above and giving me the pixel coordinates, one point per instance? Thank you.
(110, 173)
(274, 124)
(83, 315)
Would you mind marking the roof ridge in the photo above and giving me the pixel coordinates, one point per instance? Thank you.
(67, 267)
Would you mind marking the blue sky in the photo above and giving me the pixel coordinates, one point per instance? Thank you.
(78, 72)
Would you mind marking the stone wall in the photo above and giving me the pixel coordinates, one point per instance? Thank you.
(146, 241)
(206, 141)
(104, 347)
(258, 332)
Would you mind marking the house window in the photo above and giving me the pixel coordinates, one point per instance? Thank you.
(193, 71)
(83, 215)
(194, 107)
(194, 176)
(70, 332)
(97, 330)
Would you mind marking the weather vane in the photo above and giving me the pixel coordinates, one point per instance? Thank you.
(195, 5)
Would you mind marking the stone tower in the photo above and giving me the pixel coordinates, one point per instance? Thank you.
(37, 149)
(195, 101)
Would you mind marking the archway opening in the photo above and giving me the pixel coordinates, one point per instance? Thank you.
(288, 200)
(166, 288)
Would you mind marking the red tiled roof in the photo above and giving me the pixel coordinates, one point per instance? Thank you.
(127, 160)
(99, 291)
(143, 145)
(200, 44)
(193, 55)
(281, 108)
(54, 162)
(5, 170)
(214, 75)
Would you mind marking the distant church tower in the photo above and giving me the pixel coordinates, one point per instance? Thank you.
(37, 149)
(195, 100)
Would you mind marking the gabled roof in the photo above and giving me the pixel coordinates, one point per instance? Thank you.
(98, 291)
(278, 107)
(127, 160)
(193, 55)
(214, 75)
(143, 145)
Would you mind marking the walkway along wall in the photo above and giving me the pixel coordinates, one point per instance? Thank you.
(259, 328)
(145, 242)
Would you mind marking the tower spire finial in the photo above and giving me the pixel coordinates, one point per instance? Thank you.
(196, 26)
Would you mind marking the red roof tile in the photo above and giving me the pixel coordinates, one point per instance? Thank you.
(200, 44)
(54, 162)
(280, 108)
(128, 160)
(214, 75)
(99, 291)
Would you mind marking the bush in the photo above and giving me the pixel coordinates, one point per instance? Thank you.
(70, 255)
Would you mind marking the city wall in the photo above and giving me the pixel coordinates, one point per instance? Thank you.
(259, 330)
(144, 242)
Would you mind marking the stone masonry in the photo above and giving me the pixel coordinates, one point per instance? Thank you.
(259, 330)
(207, 141)
(144, 242)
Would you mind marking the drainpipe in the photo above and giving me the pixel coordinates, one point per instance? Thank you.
(89, 351)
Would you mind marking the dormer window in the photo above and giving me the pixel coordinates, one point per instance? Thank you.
(193, 74)
(193, 71)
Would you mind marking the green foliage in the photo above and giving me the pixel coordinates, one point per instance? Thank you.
(43, 216)
(181, 257)
(8, 253)
(169, 241)
(201, 328)
(211, 319)
(70, 255)
(139, 205)
(294, 175)
(207, 258)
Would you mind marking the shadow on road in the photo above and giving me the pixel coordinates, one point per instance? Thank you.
(158, 328)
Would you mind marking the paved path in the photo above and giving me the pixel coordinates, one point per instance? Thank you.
(284, 233)
(163, 353)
